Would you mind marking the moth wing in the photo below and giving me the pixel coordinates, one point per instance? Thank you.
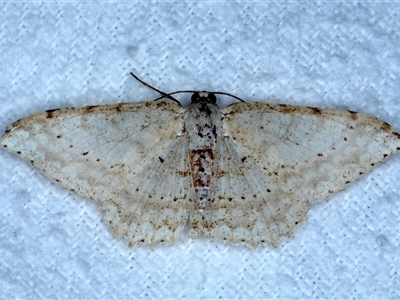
(128, 157)
(275, 160)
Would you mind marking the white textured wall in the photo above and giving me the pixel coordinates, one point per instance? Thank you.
(334, 55)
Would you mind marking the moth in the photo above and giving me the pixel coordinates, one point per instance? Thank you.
(245, 173)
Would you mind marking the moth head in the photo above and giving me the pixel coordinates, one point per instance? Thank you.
(204, 96)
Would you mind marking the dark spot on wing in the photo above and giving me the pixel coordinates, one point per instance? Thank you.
(50, 113)
(89, 109)
(345, 138)
(320, 154)
(316, 110)
(353, 114)
(85, 153)
(386, 127)
(58, 136)
(243, 159)
(19, 152)
(161, 159)
(183, 173)
(222, 173)
(118, 107)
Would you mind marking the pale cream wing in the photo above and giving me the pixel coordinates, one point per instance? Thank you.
(282, 158)
(128, 157)
(247, 206)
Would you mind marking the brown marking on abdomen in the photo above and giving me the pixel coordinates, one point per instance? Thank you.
(201, 163)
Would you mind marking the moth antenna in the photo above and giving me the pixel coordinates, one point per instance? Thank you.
(163, 94)
(169, 95)
(230, 95)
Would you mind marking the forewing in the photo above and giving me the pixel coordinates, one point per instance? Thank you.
(128, 157)
(283, 158)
